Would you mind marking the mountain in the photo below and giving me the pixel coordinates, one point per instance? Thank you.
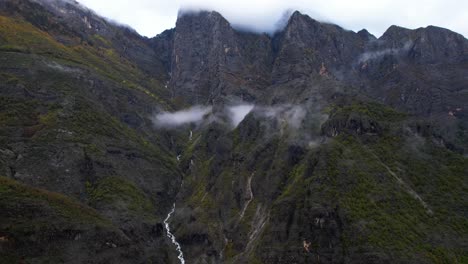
(77, 94)
(311, 145)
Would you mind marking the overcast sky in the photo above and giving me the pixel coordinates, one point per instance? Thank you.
(151, 17)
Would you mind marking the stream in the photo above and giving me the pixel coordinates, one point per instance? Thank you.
(172, 237)
(180, 256)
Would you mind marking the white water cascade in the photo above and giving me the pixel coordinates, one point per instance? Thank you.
(172, 237)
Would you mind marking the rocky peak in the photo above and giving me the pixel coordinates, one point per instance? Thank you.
(206, 49)
(308, 46)
(299, 25)
(72, 24)
(162, 45)
(210, 58)
(364, 34)
(435, 45)
(427, 45)
(395, 32)
(201, 20)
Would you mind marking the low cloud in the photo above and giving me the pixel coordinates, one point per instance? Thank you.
(377, 54)
(300, 123)
(191, 115)
(292, 115)
(150, 17)
(62, 68)
(238, 113)
(199, 115)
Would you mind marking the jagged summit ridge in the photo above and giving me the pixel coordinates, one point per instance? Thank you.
(211, 58)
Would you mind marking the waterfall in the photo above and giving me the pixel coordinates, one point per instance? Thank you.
(172, 237)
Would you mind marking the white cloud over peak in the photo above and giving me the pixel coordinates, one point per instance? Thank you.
(151, 17)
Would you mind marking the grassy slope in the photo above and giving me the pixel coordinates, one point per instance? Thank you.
(33, 216)
(19, 36)
(23, 46)
(357, 173)
(54, 96)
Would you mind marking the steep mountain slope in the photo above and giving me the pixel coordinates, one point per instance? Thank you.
(372, 184)
(420, 71)
(75, 119)
(355, 150)
(374, 191)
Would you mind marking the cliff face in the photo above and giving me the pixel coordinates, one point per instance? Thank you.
(210, 59)
(355, 151)
(417, 71)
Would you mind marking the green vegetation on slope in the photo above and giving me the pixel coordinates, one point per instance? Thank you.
(377, 189)
(18, 36)
(117, 194)
(74, 114)
(32, 216)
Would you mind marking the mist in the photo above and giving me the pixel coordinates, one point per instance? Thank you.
(191, 115)
(238, 113)
(292, 115)
(232, 115)
(377, 54)
(300, 124)
(61, 68)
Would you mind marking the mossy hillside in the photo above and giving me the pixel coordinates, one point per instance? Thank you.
(57, 72)
(206, 188)
(9, 79)
(212, 183)
(375, 111)
(397, 221)
(15, 112)
(120, 195)
(85, 125)
(84, 121)
(20, 36)
(353, 174)
(348, 172)
(79, 123)
(28, 209)
(96, 104)
(38, 226)
(60, 74)
(295, 182)
(199, 199)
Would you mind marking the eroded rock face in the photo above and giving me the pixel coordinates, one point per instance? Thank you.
(427, 45)
(309, 47)
(210, 59)
(199, 54)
